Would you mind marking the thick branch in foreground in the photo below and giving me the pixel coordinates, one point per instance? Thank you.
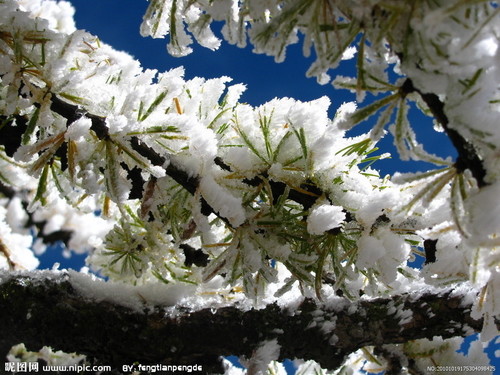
(47, 309)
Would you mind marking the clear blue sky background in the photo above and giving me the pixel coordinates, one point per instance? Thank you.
(116, 22)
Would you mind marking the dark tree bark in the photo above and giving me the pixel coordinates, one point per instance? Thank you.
(46, 309)
(468, 157)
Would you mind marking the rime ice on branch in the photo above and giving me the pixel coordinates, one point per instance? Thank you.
(163, 180)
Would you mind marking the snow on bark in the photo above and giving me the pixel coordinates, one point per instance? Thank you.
(62, 316)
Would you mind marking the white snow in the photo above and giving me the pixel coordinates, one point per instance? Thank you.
(324, 217)
(268, 351)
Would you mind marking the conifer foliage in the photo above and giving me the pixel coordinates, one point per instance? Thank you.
(198, 208)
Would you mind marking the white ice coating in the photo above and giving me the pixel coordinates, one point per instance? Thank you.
(264, 239)
(324, 217)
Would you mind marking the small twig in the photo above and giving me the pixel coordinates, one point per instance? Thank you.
(190, 183)
(468, 157)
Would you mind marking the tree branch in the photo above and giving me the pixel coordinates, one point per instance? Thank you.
(190, 183)
(468, 157)
(46, 309)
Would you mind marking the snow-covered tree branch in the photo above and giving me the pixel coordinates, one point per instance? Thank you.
(66, 310)
(176, 184)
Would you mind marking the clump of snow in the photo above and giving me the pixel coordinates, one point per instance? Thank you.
(59, 14)
(324, 217)
(484, 217)
(133, 297)
(226, 204)
(268, 351)
(15, 248)
(342, 115)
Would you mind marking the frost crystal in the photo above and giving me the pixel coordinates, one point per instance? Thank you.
(324, 217)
